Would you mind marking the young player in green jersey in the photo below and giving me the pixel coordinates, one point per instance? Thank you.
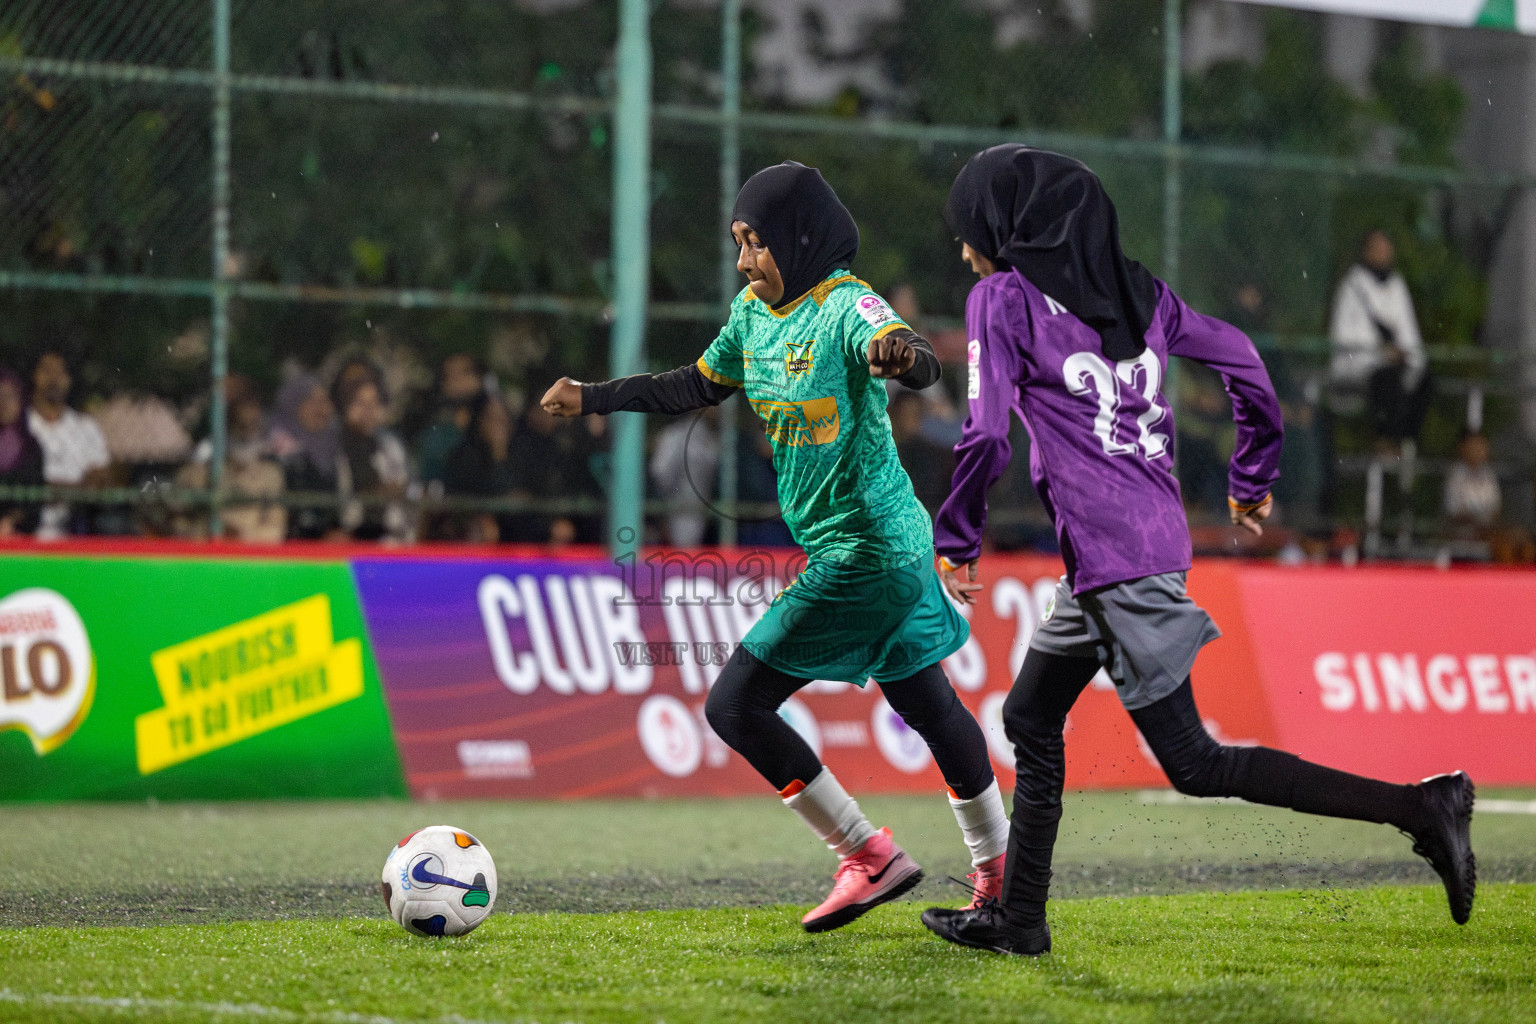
(812, 345)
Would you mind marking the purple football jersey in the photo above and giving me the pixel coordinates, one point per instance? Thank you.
(1101, 433)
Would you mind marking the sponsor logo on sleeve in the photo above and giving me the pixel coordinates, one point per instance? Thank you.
(875, 312)
(973, 369)
(47, 674)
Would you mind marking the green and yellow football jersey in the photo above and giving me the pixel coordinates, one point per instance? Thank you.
(805, 369)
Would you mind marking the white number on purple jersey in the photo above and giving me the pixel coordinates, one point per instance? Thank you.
(1090, 375)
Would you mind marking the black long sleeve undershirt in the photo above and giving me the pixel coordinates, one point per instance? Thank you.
(925, 368)
(686, 388)
(681, 390)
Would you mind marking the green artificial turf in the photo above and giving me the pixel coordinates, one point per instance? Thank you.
(200, 863)
(1361, 955)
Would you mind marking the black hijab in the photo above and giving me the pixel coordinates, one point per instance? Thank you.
(800, 219)
(1048, 216)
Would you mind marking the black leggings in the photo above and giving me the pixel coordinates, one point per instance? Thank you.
(1036, 711)
(743, 708)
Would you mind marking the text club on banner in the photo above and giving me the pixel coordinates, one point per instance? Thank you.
(569, 679)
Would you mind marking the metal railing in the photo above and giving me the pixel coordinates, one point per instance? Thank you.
(629, 112)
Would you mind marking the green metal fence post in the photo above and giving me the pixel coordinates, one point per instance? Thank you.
(218, 332)
(1173, 118)
(1173, 130)
(631, 256)
(730, 181)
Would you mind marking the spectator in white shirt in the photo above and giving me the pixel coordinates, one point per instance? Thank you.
(1379, 364)
(74, 450)
(1472, 497)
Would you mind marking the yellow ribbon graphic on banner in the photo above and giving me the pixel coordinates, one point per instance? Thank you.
(246, 679)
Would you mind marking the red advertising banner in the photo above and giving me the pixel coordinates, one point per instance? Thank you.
(1400, 673)
(545, 678)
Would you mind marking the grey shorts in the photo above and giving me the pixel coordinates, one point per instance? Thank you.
(1144, 632)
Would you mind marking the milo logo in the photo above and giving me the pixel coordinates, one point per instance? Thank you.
(47, 675)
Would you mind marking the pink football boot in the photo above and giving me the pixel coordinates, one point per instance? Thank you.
(878, 873)
(987, 881)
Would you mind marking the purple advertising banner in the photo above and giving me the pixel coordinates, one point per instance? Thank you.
(543, 678)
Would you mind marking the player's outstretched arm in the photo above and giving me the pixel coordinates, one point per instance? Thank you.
(905, 355)
(563, 398)
(676, 391)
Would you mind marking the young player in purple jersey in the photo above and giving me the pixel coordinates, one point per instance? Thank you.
(1074, 339)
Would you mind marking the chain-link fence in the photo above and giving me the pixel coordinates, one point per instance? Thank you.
(302, 203)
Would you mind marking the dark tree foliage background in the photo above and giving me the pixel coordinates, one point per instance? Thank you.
(350, 192)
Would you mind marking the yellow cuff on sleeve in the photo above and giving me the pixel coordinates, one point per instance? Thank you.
(718, 378)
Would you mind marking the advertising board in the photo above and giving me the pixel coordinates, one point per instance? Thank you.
(182, 678)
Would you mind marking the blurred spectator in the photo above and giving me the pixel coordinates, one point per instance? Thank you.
(685, 466)
(1205, 443)
(758, 484)
(251, 471)
(373, 465)
(1249, 309)
(74, 451)
(929, 465)
(354, 370)
(1379, 363)
(21, 458)
(1303, 460)
(306, 439)
(142, 430)
(554, 459)
(481, 466)
(1472, 498)
(459, 382)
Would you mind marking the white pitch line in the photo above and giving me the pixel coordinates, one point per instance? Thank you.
(1169, 797)
(1482, 806)
(136, 1004)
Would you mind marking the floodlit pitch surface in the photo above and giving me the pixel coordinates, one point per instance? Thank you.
(689, 910)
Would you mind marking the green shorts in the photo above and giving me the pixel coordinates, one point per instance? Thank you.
(838, 622)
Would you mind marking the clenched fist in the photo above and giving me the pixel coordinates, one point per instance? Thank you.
(891, 355)
(563, 398)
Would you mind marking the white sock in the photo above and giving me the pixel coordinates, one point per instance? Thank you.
(828, 810)
(984, 824)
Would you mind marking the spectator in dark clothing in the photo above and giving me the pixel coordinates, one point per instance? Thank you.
(461, 379)
(482, 466)
(555, 459)
(758, 484)
(929, 465)
(1303, 483)
(1206, 440)
(21, 457)
(353, 371)
(307, 438)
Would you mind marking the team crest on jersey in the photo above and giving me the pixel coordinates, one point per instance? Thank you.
(797, 363)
